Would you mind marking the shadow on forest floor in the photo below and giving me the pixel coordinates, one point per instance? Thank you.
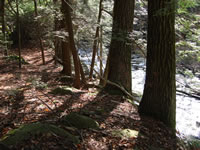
(26, 97)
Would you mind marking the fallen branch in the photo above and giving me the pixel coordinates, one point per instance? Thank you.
(195, 92)
(189, 94)
(140, 48)
(45, 104)
(119, 87)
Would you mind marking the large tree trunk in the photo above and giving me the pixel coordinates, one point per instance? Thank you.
(77, 64)
(159, 98)
(120, 49)
(66, 53)
(67, 69)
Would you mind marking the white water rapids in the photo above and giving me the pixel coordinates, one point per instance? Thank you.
(187, 108)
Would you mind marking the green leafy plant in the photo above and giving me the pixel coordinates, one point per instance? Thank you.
(15, 58)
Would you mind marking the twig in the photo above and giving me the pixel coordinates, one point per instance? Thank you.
(108, 12)
(48, 98)
(9, 3)
(140, 48)
(45, 104)
(188, 94)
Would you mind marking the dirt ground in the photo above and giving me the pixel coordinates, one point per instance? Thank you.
(25, 98)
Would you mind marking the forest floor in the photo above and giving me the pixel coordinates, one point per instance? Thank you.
(25, 98)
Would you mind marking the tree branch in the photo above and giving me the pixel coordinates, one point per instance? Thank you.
(189, 94)
(119, 87)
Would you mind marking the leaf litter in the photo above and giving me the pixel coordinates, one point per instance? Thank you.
(112, 112)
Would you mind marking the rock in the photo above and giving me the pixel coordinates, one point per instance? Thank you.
(125, 133)
(80, 121)
(198, 124)
(62, 91)
(25, 132)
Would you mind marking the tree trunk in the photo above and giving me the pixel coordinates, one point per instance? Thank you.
(40, 39)
(35, 7)
(55, 29)
(95, 45)
(19, 34)
(42, 50)
(72, 44)
(119, 63)
(66, 53)
(2, 16)
(105, 74)
(159, 98)
(101, 51)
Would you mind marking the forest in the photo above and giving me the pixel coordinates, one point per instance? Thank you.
(99, 75)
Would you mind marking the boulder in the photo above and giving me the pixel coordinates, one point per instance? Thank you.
(80, 121)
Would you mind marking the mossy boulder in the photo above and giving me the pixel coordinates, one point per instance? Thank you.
(62, 91)
(80, 121)
(25, 132)
(125, 133)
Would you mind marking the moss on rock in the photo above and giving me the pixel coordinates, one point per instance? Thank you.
(62, 91)
(25, 132)
(80, 121)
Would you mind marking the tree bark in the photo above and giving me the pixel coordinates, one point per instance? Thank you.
(95, 45)
(77, 64)
(105, 74)
(19, 33)
(40, 39)
(66, 52)
(159, 98)
(2, 15)
(119, 63)
(101, 51)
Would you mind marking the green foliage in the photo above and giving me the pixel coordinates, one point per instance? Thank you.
(39, 85)
(85, 23)
(31, 27)
(15, 58)
(26, 132)
(183, 5)
(188, 56)
(189, 143)
(187, 27)
(194, 144)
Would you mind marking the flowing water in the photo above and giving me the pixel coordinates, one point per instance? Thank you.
(187, 108)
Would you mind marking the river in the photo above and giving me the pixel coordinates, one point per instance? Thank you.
(187, 108)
